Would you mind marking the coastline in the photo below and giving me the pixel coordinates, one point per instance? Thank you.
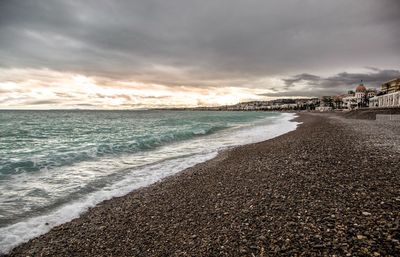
(317, 190)
(184, 154)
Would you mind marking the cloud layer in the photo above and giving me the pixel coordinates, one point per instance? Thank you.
(203, 44)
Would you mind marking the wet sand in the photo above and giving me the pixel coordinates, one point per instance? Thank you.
(332, 187)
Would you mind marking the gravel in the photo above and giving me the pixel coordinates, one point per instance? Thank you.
(328, 188)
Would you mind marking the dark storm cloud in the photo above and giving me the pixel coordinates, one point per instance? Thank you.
(190, 42)
(345, 79)
(339, 83)
(301, 77)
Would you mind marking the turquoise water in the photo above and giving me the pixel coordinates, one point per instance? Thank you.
(33, 140)
(56, 164)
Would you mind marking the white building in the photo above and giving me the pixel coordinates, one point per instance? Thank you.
(359, 99)
(384, 101)
(349, 102)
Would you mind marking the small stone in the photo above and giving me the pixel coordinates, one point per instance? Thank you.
(364, 250)
(360, 237)
(261, 238)
(365, 213)
(318, 236)
(243, 250)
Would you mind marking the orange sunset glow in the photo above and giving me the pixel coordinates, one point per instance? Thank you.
(41, 89)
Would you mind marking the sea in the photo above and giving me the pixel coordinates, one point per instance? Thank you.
(55, 164)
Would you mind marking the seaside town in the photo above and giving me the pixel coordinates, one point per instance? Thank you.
(387, 96)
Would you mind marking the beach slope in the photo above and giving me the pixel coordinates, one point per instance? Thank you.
(330, 187)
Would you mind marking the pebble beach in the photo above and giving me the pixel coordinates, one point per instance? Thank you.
(329, 188)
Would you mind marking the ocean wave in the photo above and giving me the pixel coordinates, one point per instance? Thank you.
(61, 157)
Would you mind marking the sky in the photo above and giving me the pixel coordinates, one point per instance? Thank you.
(116, 54)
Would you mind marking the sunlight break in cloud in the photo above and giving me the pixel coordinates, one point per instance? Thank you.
(40, 89)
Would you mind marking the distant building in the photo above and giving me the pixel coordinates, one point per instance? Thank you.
(361, 95)
(361, 91)
(371, 92)
(384, 101)
(389, 95)
(391, 86)
(277, 104)
(323, 108)
(349, 102)
(338, 101)
(356, 99)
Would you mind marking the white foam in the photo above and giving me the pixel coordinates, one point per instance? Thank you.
(203, 149)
